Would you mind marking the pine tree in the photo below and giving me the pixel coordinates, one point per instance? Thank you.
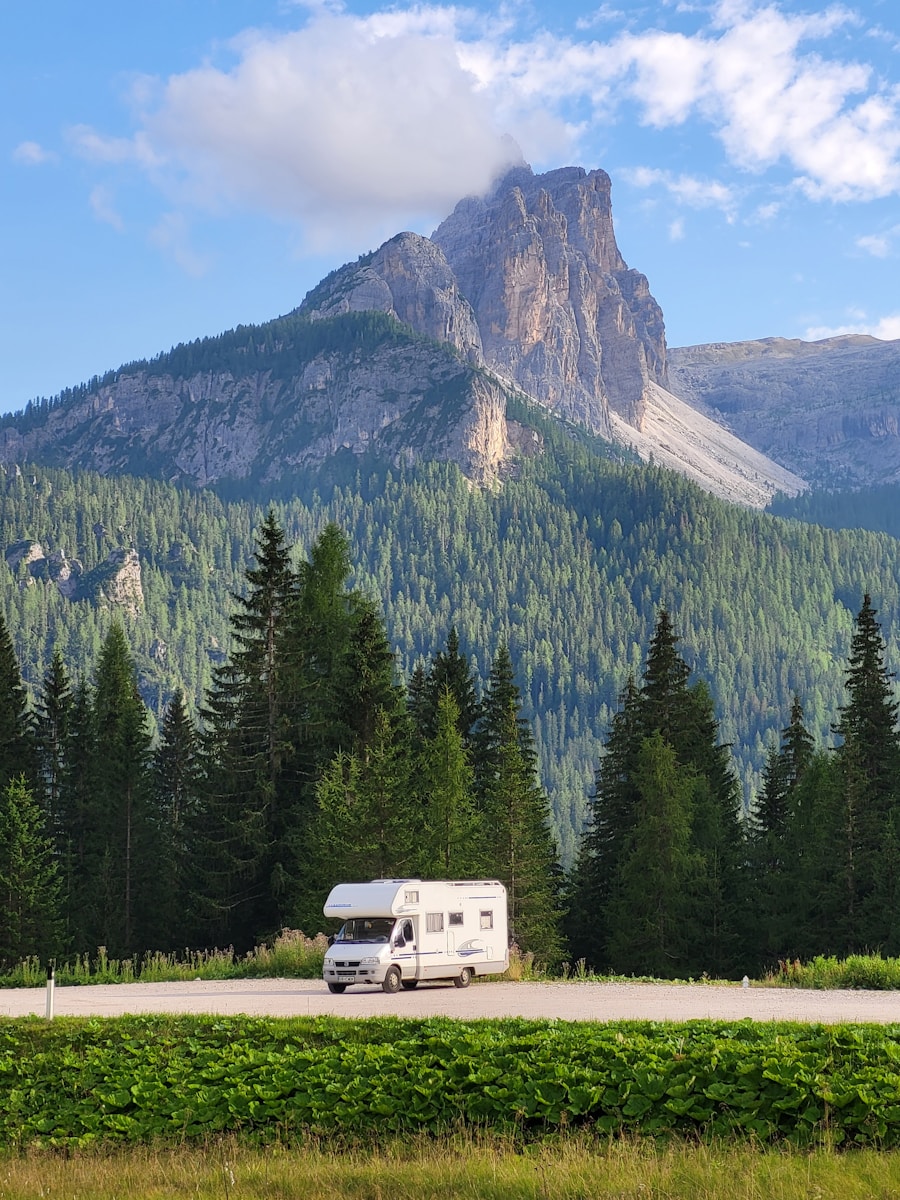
(650, 913)
(607, 835)
(365, 826)
(521, 851)
(29, 883)
(684, 717)
(248, 747)
(773, 847)
(177, 788)
(75, 824)
(869, 761)
(449, 672)
(452, 842)
(52, 717)
(123, 852)
(17, 749)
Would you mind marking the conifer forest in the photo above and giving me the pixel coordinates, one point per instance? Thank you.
(667, 724)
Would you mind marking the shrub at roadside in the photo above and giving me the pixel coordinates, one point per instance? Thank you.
(72, 1083)
(868, 971)
(291, 955)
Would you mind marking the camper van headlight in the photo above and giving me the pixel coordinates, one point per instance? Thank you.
(367, 961)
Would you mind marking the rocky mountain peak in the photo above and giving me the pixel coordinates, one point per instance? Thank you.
(408, 277)
(559, 311)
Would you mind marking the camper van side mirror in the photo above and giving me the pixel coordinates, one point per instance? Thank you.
(331, 939)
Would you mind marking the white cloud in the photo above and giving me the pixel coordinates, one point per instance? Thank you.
(685, 189)
(879, 245)
(172, 235)
(98, 148)
(344, 122)
(32, 154)
(676, 230)
(886, 328)
(103, 208)
(361, 122)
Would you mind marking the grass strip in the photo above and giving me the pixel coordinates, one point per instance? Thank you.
(461, 1168)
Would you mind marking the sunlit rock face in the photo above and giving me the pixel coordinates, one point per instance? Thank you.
(558, 310)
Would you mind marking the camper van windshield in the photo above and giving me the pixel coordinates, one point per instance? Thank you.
(366, 929)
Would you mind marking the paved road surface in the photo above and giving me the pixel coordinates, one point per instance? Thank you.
(566, 1001)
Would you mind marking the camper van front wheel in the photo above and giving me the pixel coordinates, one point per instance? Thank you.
(464, 978)
(392, 981)
(337, 987)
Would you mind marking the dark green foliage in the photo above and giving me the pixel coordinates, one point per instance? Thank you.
(29, 882)
(53, 709)
(248, 748)
(520, 850)
(366, 826)
(449, 671)
(177, 790)
(120, 867)
(17, 749)
(869, 769)
(453, 828)
(781, 838)
(650, 912)
(153, 1079)
(876, 508)
(665, 791)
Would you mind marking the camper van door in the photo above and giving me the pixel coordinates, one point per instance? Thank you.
(405, 949)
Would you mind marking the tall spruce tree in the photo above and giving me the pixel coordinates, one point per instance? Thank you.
(515, 810)
(650, 915)
(247, 748)
(177, 789)
(774, 849)
(869, 765)
(612, 811)
(451, 672)
(30, 920)
(365, 826)
(75, 824)
(122, 862)
(452, 837)
(52, 718)
(684, 717)
(17, 748)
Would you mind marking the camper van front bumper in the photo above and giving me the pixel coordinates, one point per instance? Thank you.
(362, 970)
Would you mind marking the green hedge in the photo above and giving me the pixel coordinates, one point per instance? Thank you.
(72, 1083)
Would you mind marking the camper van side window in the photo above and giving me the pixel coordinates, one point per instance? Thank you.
(487, 919)
(411, 896)
(456, 918)
(434, 922)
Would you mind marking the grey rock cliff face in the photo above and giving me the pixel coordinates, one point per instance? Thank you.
(828, 410)
(408, 277)
(558, 310)
(409, 400)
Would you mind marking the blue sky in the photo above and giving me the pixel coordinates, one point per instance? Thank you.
(173, 169)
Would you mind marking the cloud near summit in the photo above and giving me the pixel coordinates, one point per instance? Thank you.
(363, 121)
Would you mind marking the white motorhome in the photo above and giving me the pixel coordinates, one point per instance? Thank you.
(397, 932)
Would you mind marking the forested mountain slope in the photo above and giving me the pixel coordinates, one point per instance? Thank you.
(569, 562)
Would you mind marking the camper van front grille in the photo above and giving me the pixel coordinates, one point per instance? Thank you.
(342, 965)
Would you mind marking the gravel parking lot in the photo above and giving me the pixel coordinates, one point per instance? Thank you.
(571, 1001)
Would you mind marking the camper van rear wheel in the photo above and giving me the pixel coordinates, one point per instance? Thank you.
(337, 987)
(392, 981)
(464, 978)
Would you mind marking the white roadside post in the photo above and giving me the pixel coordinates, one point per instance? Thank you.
(51, 984)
